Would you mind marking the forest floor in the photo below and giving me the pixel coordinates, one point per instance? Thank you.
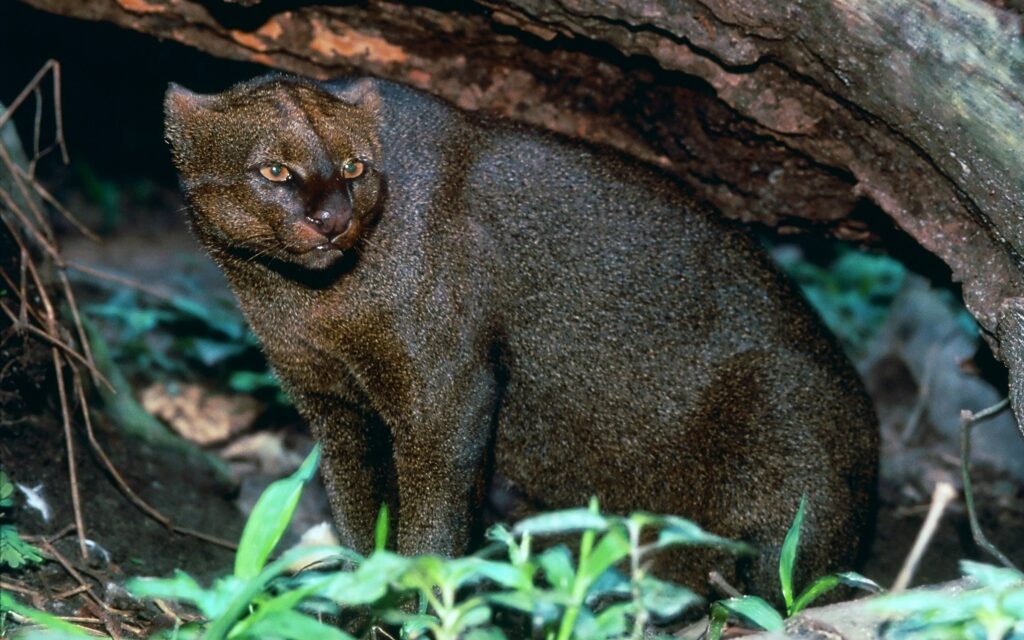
(920, 367)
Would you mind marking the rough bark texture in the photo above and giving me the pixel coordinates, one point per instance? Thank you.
(785, 113)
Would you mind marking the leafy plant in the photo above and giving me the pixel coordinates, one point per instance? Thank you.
(182, 336)
(15, 553)
(561, 598)
(992, 610)
(760, 613)
(852, 294)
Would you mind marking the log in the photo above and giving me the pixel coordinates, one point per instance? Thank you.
(852, 118)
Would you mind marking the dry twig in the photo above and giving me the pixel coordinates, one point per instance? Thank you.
(941, 496)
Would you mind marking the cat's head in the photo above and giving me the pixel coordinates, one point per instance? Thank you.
(278, 167)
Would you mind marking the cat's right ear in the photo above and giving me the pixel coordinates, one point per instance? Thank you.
(183, 109)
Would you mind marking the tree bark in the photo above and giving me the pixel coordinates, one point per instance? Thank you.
(805, 113)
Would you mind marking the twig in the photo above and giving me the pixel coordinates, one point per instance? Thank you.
(76, 501)
(58, 113)
(968, 421)
(941, 497)
(57, 342)
(121, 280)
(59, 557)
(123, 485)
(221, 542)
(64, 595)
(719, 581)
(4, 585)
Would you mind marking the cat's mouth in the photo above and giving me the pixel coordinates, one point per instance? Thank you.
(309, 246)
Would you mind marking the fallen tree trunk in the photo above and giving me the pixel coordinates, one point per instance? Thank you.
(805, 113)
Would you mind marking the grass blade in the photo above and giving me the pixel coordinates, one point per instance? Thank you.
(787, 558)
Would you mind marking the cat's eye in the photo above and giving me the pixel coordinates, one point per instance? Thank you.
(275, 172)
(352, 169)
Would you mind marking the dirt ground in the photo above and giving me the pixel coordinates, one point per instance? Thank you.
(919, 366)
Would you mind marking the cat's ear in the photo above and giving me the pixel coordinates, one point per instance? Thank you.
(362, 93)
(183, 111)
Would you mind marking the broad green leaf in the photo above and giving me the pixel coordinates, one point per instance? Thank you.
(60, 628)
(665, 600)
(787, 557)
(756, 611)
(292, 625)
(381, 529)
(517, 600)
(611, 548)
(561, 522)
(610, 583)
(182, 587)
(270, 518)
(613, 621)
(987, 575)
(557, 565)
(680, 531)
(369, 583)
(413, 626)
(1012, 602)
(508, 576)
(475, 616)
(585, 626)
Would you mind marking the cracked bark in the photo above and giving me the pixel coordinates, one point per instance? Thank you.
(787, 114)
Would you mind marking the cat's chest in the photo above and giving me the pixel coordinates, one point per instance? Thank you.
(303, 333)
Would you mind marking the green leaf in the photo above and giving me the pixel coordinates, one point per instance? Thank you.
(520, 601)
(987, 575)
(380, 530)
(270, 518)
(213, 352)
(680, 531)
(665, 600)
(6, 491)
(825, 584)
(292, 625)
(719, 616)
(53, 623)
(181, 587)
(369, 583)
(787, 558)
(557, 565)
(562, 522)
(613, 621)
(611, 548)
(819, 587)
(15, 552)
(252, 381)
(484, 633)
(756, 611)
(475, 616)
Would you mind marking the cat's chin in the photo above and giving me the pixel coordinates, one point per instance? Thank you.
(319, 259)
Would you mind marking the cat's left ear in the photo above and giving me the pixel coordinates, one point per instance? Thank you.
(183, 111)
(362, 93)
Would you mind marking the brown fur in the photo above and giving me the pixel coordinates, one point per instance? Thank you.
(514, 310)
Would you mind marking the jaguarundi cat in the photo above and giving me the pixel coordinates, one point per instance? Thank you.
(460, 305)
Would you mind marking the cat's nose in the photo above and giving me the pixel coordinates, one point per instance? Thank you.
(331, 223)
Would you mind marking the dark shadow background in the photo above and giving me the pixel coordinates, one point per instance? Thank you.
(113, 81)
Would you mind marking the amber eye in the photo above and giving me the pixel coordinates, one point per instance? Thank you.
(352, 169)
(275, 172)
